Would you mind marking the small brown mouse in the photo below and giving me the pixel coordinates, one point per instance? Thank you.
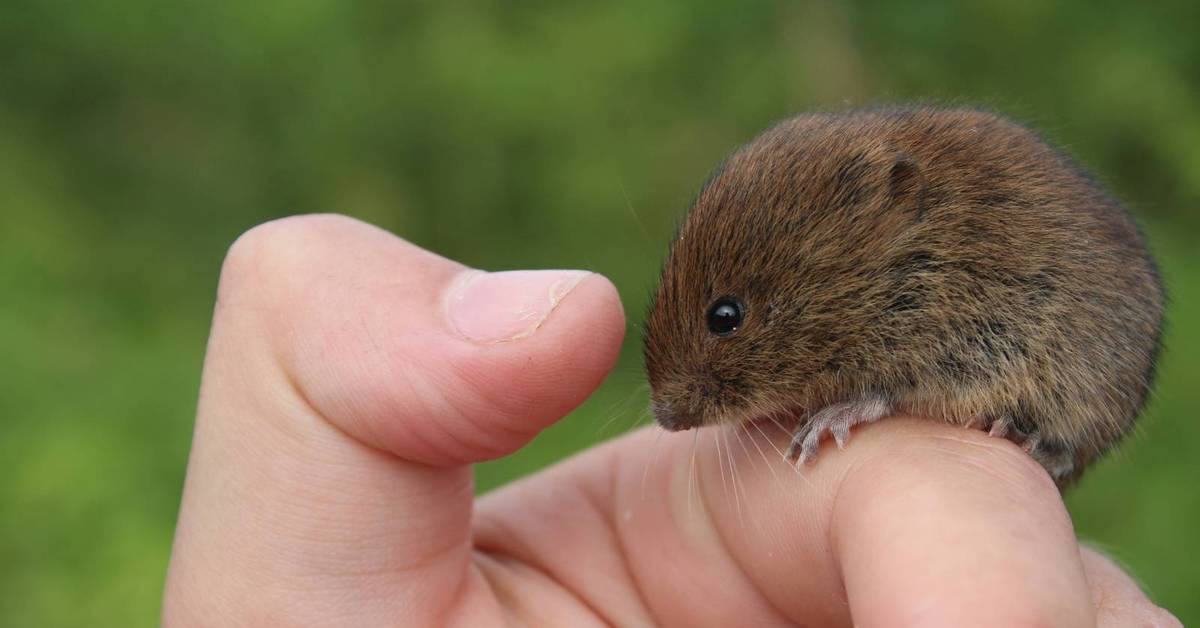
(944, 263)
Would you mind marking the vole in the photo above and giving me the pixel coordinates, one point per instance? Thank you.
(939, 262)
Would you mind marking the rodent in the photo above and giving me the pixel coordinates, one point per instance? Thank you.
(940, 262)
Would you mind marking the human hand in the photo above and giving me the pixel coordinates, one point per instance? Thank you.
(352, 378)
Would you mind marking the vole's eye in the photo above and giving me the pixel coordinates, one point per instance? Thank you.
(725, 316)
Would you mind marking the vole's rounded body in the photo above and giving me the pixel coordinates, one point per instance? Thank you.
(945, 263)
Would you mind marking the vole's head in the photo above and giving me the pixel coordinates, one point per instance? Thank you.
(771, 293)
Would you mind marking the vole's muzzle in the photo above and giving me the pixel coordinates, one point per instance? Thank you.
(671, 419)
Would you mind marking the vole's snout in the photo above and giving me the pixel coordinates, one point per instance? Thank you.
(670, 418)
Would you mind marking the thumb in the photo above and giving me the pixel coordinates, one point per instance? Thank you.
(350, 378)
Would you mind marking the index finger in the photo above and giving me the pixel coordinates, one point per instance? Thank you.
(954, 528)
(918, 523)
(915, 523)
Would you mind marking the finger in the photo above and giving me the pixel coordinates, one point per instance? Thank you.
(915, 523)
(1118, 600)
(380, 335)
(968, 530)
(349, 377)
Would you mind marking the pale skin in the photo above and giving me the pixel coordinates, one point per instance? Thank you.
(352, 378)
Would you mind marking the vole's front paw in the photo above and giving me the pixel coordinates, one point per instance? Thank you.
(837, 420)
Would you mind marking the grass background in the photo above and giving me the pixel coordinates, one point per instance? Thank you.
(139, 138)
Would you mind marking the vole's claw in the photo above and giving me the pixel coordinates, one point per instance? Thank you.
(841, 433)
(836, 419)
(1000, 427)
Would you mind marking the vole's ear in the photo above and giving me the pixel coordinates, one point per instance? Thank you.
(906, 184)
(881, 173)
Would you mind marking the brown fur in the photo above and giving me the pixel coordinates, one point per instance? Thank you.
(946, 260)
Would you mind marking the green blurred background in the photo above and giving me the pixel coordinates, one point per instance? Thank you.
(139, 138)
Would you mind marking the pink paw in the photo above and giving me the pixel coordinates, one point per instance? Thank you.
(837, 420)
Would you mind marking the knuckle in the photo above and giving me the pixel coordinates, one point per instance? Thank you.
(265, 259)
(1007, 458)
(934, 450)
(1002, 459)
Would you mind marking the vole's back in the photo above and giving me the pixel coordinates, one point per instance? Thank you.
(1027, 290)
(1011, 287)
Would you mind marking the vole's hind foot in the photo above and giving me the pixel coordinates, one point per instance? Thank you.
(837, 420)
(1004, 426)
(1056, 457)
(1000, 428)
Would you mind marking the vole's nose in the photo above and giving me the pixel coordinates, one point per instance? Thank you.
(670, 418)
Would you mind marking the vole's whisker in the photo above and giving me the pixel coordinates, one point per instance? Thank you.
(779, 451)
(632, 212)
(620, 408)
(692, 469)
(657, 446)
(734, 475)
(721, 464)
(762, 454)
(741, 428)
(778, 424)
(651, 460)
(767, 438)
(640, 418)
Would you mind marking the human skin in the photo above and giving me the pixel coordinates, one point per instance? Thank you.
(352, 378)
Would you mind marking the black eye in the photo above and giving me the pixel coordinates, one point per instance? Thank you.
(725, 316)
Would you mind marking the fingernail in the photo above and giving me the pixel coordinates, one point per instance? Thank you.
(498, 307)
